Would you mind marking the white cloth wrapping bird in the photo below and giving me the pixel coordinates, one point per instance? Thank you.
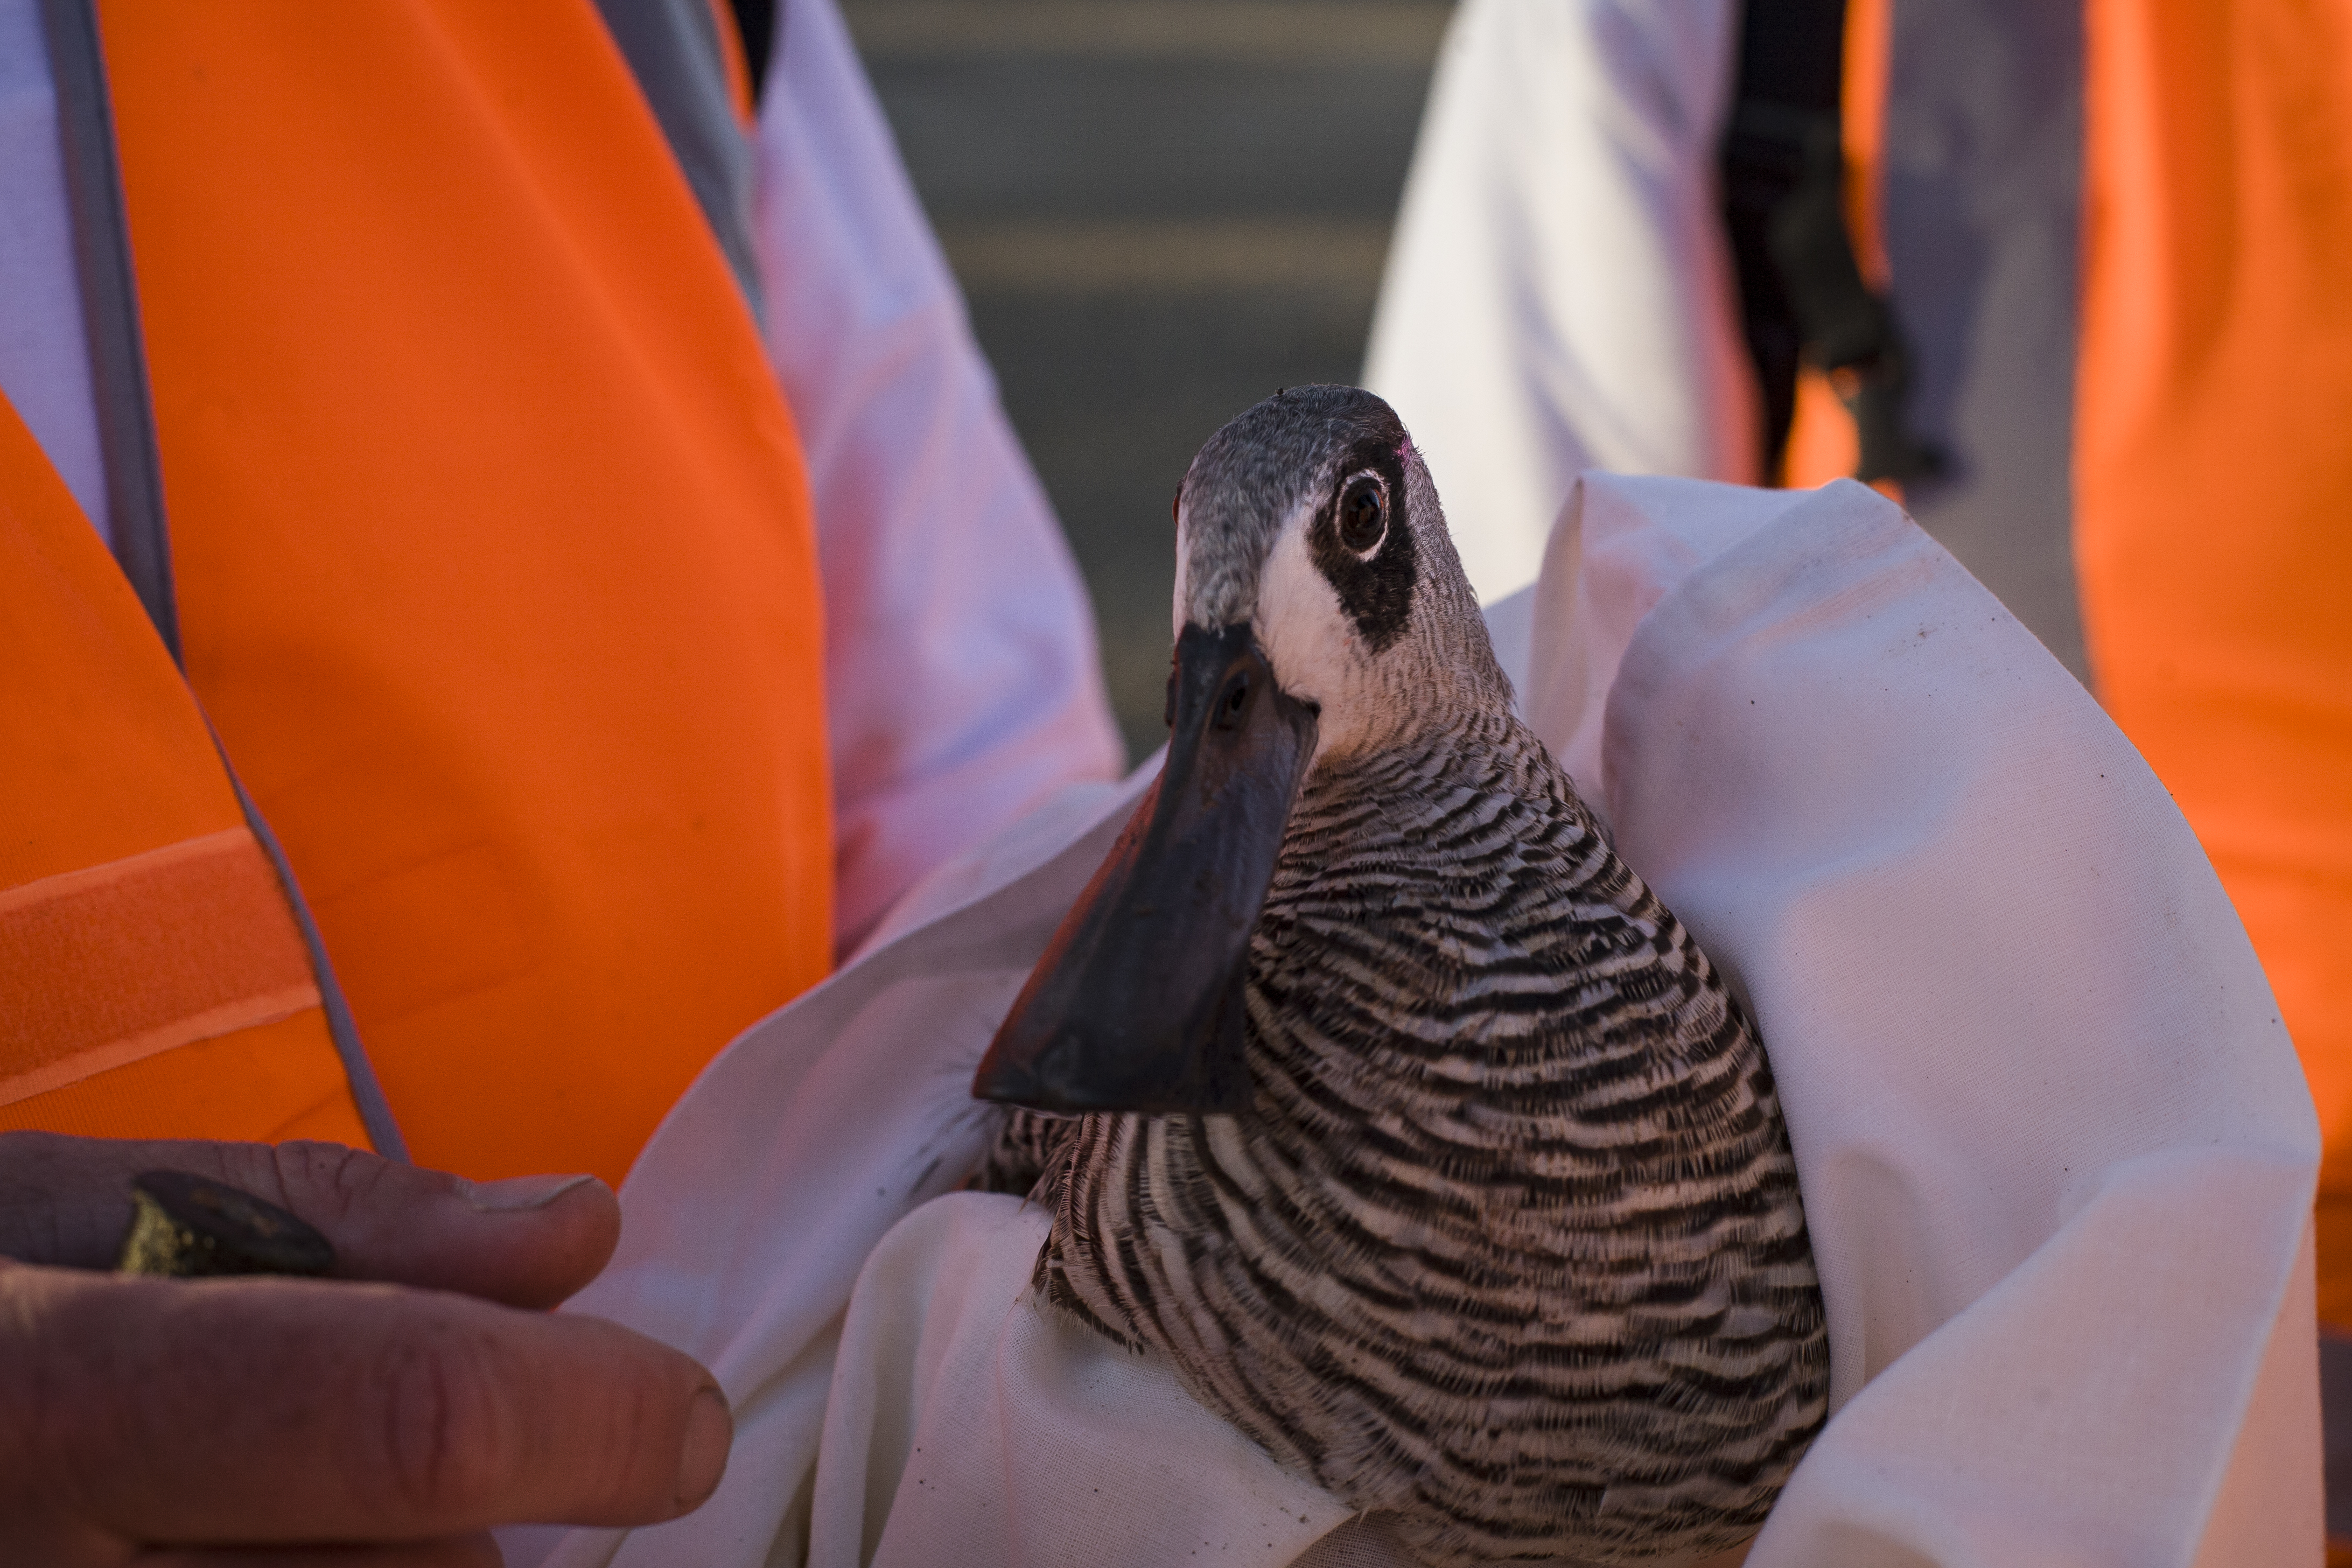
(2056, 1154)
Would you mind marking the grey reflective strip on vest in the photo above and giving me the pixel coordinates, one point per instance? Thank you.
(126, 424)
(367, 1094)
(674, 48)
(109, 309)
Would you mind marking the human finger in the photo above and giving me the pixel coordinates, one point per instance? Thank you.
(473, 1551)
(528, 1242)
(242, 1411)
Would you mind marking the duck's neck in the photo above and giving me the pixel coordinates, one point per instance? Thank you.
(1426, 773)
(1440, 860)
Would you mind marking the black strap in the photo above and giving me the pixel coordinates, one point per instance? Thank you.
(109, 309)
(1801, 295)
(755, 25)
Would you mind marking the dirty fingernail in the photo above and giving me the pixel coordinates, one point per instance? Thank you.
(517, 1194)
(710, 1432)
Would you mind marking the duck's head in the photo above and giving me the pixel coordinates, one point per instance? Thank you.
(1321, 615)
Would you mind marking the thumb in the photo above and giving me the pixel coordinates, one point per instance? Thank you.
(292, 1410)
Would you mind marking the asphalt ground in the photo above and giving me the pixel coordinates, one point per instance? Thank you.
(1161, 211)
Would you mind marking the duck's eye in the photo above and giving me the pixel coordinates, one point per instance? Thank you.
(1363, 514)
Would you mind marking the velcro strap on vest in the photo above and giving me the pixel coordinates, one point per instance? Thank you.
(107, 965)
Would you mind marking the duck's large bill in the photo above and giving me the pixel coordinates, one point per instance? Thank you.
(1137, 1004)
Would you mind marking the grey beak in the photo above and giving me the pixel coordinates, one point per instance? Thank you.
(1137, 1004)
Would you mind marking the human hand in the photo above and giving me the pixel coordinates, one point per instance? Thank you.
(219, 1421)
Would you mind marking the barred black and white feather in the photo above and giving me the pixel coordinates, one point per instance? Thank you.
(1509, 1245)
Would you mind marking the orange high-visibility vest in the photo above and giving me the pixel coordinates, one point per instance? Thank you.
(495, 571)
(2212, 468)
(2213, 479)
(152, 976)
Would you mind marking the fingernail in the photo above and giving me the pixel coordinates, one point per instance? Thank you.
(517, 1194)
(710, 1432)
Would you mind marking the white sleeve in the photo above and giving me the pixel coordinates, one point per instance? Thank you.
(1558, 294)
(44, 343)
(961, 680)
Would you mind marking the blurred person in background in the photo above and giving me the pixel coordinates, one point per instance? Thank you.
(2075, 280)
(511, 562)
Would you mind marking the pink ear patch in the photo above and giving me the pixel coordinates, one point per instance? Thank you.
(1404, 449)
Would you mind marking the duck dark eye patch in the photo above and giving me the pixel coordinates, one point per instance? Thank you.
(1376, 593)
